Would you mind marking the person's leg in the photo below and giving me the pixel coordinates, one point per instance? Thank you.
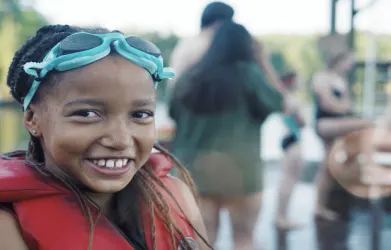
(332, 235)
(323, 185)
(292, 166)
(244, 212)
(210, 210)
(329, 129)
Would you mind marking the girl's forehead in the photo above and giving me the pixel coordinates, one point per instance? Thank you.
(107, 77)
(112, 69)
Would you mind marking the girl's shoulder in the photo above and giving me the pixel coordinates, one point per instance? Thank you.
(160, 164)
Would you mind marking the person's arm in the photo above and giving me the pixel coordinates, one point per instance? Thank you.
(176, 60)
(262, 98)
(327, 100)
(192, 212)
(300, 118)
(184, 55)
(10, 235)
(265, 65)
(292, 107)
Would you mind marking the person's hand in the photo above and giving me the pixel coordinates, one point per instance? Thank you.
(361, 160)
(291, 103)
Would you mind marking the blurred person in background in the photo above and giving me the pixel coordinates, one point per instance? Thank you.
(293, 119)
(334, 118)
(360, 163)
(360, 160)
(189, 51)
(219, 106)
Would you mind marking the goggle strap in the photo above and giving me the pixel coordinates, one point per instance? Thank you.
(167, 73)
(30, 94)
(81, 61)
(31, 68)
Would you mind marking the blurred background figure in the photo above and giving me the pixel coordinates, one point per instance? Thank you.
(360, 162)
(190, 50)
(292, 163)
(334, 117)
(218, 106)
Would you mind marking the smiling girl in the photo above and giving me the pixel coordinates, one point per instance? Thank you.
(88, 179)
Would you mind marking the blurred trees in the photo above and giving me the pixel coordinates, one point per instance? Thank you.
(17, 23)
(299, 51)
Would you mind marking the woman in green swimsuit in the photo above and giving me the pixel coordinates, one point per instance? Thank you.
(219, 106)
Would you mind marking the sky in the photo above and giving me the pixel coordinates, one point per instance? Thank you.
(182, 16)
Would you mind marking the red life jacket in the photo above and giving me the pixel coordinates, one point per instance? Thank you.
(51, 218)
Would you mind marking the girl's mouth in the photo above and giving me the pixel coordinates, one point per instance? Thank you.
(110, 166)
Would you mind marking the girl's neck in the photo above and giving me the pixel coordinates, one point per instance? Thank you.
(104, 201)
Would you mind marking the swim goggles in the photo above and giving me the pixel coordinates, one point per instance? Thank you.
(82, 48)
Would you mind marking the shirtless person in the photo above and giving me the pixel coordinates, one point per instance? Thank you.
(333, 117)
(189, 51)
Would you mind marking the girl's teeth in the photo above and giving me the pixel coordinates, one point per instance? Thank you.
(124, 162)
(102, 163)
(118, 163)
(110, 163)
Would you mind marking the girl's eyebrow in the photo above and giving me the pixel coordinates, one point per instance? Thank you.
(92, 102)
(143, 102)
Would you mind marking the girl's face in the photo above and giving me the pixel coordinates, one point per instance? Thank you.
(97, 123)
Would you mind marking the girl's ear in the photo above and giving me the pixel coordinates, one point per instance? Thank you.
(31, 121)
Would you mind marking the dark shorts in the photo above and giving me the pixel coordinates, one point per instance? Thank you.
(288, 141)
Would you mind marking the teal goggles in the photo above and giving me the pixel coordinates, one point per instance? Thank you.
(80, 49)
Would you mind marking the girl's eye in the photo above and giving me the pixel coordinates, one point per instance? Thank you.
(86, 113)
(141, 114)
